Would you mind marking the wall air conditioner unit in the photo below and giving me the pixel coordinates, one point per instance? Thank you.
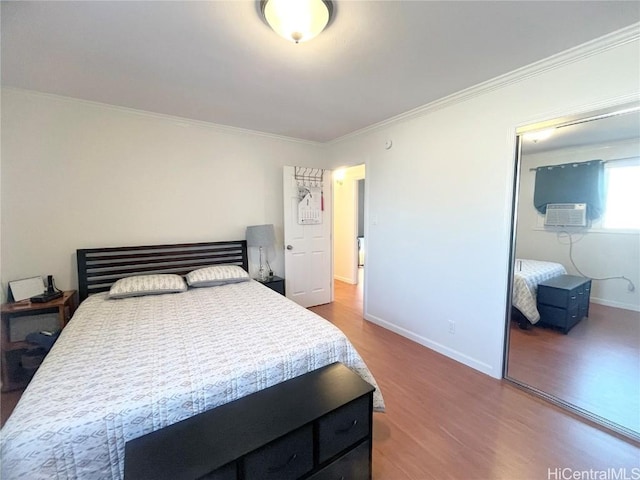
(566, 215)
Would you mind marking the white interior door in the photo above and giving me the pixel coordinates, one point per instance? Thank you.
(308, 262)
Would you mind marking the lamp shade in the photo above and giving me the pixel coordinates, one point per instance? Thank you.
(261, 236)
(297, 20)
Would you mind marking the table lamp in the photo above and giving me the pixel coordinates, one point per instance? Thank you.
(261, 236)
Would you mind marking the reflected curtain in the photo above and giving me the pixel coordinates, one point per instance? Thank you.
(571, 183)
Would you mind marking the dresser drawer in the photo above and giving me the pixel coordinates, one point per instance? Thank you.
(559, 317)
(583, 310)
(344, 427)
(355, 465)
(228, 472)
(286, 458)
(557, 297)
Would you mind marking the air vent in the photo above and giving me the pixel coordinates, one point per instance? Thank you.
(566, 215)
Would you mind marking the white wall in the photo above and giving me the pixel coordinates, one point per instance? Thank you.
(439, 201)
(81, 175)
(345, 226)
(598, 253)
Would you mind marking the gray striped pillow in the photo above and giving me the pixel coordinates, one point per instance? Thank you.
(217, 275)
(139, 285)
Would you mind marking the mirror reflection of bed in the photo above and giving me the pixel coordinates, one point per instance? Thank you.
(593, 366)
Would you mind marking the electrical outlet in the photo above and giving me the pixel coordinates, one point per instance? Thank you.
(452, 327)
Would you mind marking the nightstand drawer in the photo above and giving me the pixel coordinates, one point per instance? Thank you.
(564, 291)
(559, 317)
(556, 297)
(342, 428)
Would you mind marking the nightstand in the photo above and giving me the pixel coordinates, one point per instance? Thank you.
(563, 301)
(13, 375)
(274, 283)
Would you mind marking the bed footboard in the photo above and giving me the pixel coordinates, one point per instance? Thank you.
(318, 422)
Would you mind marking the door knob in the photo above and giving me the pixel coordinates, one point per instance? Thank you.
(289, 247)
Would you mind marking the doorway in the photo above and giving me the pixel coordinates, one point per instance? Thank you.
(349, 242)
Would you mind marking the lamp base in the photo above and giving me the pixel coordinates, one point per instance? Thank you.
(263, 275)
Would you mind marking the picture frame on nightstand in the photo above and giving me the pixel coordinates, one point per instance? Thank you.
(25, 288)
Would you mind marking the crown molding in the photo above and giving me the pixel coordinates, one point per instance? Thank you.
(182, 121)
(572, 55)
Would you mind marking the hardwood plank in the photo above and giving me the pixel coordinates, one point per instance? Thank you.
(595, 367)
(446, 420)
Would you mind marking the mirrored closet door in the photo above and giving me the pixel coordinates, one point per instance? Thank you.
(573, 326)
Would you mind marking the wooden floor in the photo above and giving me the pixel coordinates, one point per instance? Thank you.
(446, 421)
(596, 366)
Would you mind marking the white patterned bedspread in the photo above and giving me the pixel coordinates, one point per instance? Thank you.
(124, 368)
(526, 276)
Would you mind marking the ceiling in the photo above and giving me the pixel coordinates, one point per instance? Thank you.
(218, 62)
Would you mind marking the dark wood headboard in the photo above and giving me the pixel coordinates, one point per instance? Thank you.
(99, 268)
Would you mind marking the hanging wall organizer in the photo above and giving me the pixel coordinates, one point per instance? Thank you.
(310, 195)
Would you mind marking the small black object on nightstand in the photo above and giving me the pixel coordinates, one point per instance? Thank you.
(274, 283)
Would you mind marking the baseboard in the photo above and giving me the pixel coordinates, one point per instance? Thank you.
(609, 303)
(444, 350)
(345, 280)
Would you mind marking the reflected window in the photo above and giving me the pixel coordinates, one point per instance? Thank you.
(622, 195)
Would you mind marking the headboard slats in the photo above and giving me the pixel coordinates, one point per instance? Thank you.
(99, 268)
(161, 252)
(130, 261)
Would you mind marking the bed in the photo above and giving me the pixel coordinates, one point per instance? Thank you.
(124, 368)
(527, 274)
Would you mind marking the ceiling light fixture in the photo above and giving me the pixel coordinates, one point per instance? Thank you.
(539, 135)
(297, 20)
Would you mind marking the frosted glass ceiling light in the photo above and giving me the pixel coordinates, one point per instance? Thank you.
(297, 20)
(539, 135)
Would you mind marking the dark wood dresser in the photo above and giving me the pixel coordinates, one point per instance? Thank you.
(315, 426)
(563, 301)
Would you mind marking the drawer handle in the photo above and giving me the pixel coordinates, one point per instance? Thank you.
(285, 465)
(573, 298)
(345, 430)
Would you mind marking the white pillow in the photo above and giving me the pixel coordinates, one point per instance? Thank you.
(156, 284)
(216, 275)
